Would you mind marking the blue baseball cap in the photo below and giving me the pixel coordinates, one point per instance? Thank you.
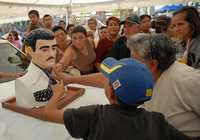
(131, 80)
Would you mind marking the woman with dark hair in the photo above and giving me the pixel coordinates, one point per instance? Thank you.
(105, 45)
(185, 26)
(17, 42)
(13, 38)
(81, 53)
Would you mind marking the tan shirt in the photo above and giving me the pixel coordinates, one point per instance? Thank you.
(85, 63)
(177, 96)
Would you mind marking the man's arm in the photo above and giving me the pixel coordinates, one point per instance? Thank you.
(95, 79)
(52, 113)
(76, 121)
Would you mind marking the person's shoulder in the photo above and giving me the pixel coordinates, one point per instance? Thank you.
(195, 43)
(185, 71)
(104, 40)
(70, 49)
(91, 43)
(152, 115)
(94, 110)
(119, 42)
(120, 39)
(94, 107)
(198, 37)
(179, 74)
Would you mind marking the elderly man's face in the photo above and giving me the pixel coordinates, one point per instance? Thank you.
(131, 29)
(45, 53)
(180, 27)
(92, 24)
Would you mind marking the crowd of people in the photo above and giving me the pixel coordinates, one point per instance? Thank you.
(152, 64)
(110, 41)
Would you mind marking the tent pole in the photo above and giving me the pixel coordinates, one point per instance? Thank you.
(69, 11)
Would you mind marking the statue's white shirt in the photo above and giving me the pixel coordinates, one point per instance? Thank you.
(34, 80)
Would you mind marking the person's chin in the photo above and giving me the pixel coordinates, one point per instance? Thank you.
(50, 65)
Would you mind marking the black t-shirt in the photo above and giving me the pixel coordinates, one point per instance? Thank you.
(119, 49)
(112, 122)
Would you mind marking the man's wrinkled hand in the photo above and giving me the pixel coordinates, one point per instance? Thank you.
(58, 89)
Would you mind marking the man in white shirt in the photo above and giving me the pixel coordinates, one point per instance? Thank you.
(177, 88)
(34, 88)
(92, 24)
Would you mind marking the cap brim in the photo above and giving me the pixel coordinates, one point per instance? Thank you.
(128, 22)
(109, 65)
(122, 22)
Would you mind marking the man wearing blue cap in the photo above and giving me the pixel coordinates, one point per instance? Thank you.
(122, 119)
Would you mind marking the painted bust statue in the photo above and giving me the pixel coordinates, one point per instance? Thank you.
(34, 88)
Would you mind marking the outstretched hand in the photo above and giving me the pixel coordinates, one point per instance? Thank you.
(52, 113)
(58, 74)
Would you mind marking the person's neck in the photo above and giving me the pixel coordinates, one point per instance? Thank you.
(145, 31)
(63, 45)
(35, 24)
(129, 35)
(93, 30)
(84, 50)
(49, 27)
(125, 106)
(187, 39)
(157, 75)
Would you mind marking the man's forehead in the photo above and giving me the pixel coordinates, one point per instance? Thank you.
(92, 22)
(31, 15)
(128, 23)
(48, 17)
(42, 42)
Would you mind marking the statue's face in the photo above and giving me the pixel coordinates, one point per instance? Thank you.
(45, 53)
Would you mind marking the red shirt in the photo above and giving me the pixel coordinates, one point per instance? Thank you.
(102, 49)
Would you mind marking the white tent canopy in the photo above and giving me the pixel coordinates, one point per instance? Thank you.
(18, 8)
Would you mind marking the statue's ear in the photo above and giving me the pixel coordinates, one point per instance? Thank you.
(28, 50)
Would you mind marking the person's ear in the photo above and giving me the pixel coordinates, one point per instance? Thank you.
(154, 64)
(111, 95)
(28, 50)
(134, 54)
